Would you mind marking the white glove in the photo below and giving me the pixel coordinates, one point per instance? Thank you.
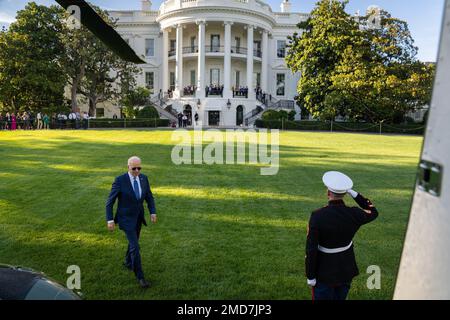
(311, 283)
(352, 193)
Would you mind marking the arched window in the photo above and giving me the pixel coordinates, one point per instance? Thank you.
(239, 115)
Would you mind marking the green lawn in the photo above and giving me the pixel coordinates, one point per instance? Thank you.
(224, 231)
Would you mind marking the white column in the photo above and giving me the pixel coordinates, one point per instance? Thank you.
(265, 60)
(227, 62)
(165, 66)
(179, 63)
(251, 92)
(201, 60)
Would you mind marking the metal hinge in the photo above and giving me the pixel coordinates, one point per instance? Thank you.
(430, 177)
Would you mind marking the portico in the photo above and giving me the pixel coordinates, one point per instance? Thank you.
(223, 58)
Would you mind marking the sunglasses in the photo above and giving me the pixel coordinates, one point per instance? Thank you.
(136, 168)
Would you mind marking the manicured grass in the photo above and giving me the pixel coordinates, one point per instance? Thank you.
(224, 231)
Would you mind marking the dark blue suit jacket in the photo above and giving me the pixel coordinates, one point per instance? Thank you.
(130, 210)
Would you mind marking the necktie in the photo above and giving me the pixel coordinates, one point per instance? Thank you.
(136, 188)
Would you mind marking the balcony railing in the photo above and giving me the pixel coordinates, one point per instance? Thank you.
(213, 48)
(238, 50)
(286, 104)
(216, 49)
(189, 91)
(214, 91)
(190, 49)
(240, 92)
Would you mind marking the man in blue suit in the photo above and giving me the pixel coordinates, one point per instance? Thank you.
(131, 189)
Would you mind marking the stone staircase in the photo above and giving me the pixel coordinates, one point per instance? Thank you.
(163, 109)
(275, 104)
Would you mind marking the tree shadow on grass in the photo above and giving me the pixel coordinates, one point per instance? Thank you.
(226, 262)
(243, 238)
(186, 256)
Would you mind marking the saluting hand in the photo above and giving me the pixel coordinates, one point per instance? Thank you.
(352, 193)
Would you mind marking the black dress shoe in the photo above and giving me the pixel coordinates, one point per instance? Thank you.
(144, 284)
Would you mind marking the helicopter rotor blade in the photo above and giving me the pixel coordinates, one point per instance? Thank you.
(102, 30)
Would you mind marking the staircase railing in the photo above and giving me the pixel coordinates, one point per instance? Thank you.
(253, 114)
(272, 104)
(160, 104)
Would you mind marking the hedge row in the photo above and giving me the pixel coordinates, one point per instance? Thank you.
(341, 126)
(128, 123)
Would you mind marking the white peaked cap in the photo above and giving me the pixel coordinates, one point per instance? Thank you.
(337, 182)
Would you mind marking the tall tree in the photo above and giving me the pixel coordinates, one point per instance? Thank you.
(40, 56)
(76, 45)
(31, 76)
(316, 51)
(380, 79)
(133, 99)
(103, 75)
(368, 73)
(94, 70)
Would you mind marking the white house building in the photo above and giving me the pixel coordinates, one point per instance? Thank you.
(221, 59)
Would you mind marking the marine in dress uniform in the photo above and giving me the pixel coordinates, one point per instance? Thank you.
(330, 260)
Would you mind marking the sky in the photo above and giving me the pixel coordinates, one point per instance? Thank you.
(423, 16)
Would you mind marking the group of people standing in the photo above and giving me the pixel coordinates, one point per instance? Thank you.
(25, 121)
(74, 120)
(214, 90)
(240, 91)
(184, 121)
(42, 121)
(189, 90)
(262, 96)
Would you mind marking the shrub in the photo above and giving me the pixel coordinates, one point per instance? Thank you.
(270, 115)
(278, 115)
(409, 120)
(291, 115)
(148, 112)
(341, 126)
(128, 123)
